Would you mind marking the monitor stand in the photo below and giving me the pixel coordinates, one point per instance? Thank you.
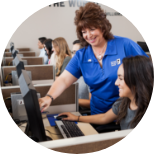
(29, 134)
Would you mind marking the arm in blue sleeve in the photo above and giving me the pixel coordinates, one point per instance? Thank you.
(133, 49)
(74, 66)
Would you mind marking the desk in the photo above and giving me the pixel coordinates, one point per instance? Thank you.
(86, 128)
(36, 82)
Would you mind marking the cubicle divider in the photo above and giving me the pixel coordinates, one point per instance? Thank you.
(60, 104)
(25, 54)
(1, 78)
(1, 84)
(20, 49)
(30, 60)
(3, 61)
(38, 72)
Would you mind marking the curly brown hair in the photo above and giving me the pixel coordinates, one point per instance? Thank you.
(91, 15)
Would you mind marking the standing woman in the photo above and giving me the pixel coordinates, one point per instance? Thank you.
(48, 48)
(97, 62)
(63, 54)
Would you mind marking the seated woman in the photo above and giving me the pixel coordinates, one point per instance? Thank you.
(135, 82)
(48, 48)
(63, 54)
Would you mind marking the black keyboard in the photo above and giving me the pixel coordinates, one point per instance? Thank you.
(71, 129)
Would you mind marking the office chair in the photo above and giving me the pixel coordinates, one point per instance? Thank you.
(84, 111)
(107, 127)
(100, 128)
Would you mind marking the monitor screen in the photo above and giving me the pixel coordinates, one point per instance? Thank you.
(11, 47)
(29, 95)
(14, 53)
(19, 65)
(144, 46)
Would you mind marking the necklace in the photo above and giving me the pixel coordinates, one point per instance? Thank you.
(101, 54)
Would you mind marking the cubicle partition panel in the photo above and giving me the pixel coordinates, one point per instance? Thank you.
(38, 72)
(7, 54)
(34, 60)
(20, 49)
(66, 102)
(6, 70)
(1, 84)
(30, 61)
(25, 54)
(61, 102)
(1, 77)
(8, 61)
(6, 93)
(3, 61)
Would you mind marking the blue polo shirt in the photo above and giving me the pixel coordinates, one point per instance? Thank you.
(102, 80)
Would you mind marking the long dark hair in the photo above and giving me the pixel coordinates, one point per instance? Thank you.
(48, 44)
(138, 75)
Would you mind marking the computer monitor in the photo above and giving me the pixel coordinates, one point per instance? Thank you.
(18, 107)
(14, 53)
(11, 47)
(15, 77)
(35, 123)
(143, 45)
(19, 65)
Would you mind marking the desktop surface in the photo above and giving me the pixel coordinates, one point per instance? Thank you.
(54, 133)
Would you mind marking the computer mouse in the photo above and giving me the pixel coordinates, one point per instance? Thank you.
(61, 117)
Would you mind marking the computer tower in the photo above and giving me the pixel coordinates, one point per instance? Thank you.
(18, 107)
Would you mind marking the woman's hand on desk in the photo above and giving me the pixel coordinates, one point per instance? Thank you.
(44, 103)
(70, 116)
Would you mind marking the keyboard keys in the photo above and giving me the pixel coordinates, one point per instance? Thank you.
(71, 129)
(64, 129)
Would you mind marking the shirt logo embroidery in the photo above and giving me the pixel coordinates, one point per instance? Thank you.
(113, 63)
(118, 61)
(89, 60)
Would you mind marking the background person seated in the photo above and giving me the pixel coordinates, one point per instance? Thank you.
(83, 90)
(135, 83)
(48, 48)
(63, 54)
(42, 50)
(52, 60)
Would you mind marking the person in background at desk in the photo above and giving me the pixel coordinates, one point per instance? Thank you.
(97, 62)
(48, 48)
(135, 82)
(42, 50)
(63, 53)
(83, 92)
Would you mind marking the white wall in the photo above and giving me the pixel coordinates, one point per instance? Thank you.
(53, 22)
